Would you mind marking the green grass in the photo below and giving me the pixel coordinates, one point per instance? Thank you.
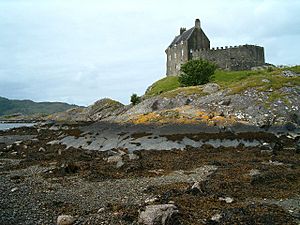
(163, 85)
(185, 91)
(295, 69)
(237, 81)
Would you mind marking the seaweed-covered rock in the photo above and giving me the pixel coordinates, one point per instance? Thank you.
(159, 215)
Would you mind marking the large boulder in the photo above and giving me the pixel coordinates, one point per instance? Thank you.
(211, 88)
(165, 214)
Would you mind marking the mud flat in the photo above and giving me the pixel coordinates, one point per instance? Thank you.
(109, 173)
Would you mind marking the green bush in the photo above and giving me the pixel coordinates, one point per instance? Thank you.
(196, 72)
(135, 99)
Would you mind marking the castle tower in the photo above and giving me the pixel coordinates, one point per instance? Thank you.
(183, 46)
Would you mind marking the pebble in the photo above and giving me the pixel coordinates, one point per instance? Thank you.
(42, 149)
(114, 159)
(101, 210)
(254, 172)
(65, 220)
(14, 189)
(151, 200)
(216, 217)
(133, 156)
(226, 199)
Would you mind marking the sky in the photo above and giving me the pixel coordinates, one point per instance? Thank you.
(81, 51)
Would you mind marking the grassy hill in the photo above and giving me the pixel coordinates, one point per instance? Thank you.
(28, 107)
(236, 80)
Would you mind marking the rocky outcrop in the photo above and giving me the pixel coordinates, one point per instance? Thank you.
(251, 106)
(102, 109)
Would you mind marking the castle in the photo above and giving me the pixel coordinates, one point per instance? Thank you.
(194, 44)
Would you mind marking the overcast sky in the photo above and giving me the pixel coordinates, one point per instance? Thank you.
(80, 51)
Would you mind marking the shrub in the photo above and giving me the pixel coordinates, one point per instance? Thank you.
(135, 99)
(196, 72)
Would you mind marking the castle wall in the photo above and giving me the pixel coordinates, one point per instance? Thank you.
(176, 56)
(234, 58)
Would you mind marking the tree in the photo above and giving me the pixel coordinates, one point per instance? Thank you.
(135, 99)
(196, 72)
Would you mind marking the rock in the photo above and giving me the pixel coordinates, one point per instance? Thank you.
(225, 102)
(254, 172)
(114, 159)
(217, 217)
(151, 200)
(195, 189)
(159, 215)
(121, 152)
(133, 156)
(288, 73)
(265, 80)
(211, 88)
(120, 164)
(101, 210)
(42, 149)
(14, 189)
(65, 220)
(104, 108)
(226, 199)
(17, 143)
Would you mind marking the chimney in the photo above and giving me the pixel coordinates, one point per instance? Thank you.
(182, 30)
(197, 24)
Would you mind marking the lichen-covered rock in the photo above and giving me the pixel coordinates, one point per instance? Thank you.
(159, 215)
(211, 88)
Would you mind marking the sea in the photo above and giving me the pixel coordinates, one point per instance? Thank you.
(6, 126)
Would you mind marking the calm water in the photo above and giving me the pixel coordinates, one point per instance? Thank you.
(6, 126)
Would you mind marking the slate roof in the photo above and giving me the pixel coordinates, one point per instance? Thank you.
(183, 37)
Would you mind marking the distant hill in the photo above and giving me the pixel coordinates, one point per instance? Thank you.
(28, 107)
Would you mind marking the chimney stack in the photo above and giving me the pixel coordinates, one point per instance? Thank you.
(182, 30)
(197, 24)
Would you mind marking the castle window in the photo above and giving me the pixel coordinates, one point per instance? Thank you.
(175, 55)
(182, 52)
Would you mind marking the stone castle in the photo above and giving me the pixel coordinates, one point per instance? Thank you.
(194, 44)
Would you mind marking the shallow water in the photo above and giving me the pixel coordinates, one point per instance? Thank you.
(6, 126)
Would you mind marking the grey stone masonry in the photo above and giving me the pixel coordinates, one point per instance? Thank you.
(194, 44)
(234, 58)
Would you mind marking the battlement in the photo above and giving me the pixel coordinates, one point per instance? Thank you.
(226, 48)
